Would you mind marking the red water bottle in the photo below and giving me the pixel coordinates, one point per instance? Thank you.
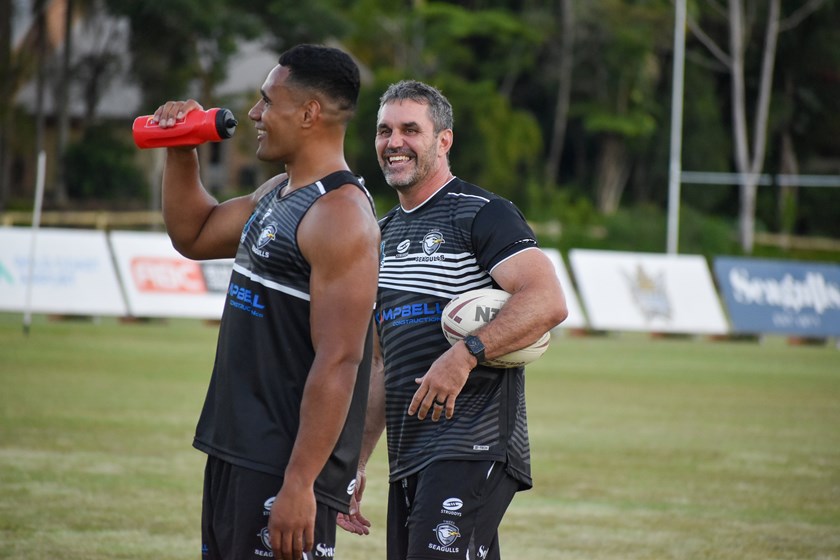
(197, 127)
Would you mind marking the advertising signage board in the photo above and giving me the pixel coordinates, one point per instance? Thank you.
(784, 297)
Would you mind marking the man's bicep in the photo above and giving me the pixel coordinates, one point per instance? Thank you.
(527, 268)
(341, 245)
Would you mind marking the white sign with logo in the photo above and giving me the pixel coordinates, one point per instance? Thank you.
(159, 282)
(72, 272)
(576, 319)
(648, 292)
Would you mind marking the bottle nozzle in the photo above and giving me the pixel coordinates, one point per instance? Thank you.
(225, 123)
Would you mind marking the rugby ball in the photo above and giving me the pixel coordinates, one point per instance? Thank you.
(471, 310)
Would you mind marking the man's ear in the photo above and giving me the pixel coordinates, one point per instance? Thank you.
(446, 137)
(311, 112)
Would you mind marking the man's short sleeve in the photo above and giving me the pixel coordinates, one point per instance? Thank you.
(500, 231)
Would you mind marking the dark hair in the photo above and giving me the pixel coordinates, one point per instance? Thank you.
(440, 110)
(326, 70)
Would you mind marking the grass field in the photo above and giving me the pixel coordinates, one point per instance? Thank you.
(643, 448)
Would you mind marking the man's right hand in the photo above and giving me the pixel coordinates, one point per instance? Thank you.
(355, 522)
(172, 111)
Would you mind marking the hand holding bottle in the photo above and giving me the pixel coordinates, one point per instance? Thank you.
(186, 123)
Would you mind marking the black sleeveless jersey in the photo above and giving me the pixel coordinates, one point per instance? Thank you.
(252, 410)
(429, 255)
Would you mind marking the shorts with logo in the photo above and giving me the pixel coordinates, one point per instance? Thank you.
(449, 510)
(235, 510)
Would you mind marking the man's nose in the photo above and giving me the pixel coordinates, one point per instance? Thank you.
(395, 140)
(256, 111)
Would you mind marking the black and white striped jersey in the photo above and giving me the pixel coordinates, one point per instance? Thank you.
(447, 246)
(252, 410)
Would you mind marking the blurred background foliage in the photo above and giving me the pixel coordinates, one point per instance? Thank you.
(562, 106)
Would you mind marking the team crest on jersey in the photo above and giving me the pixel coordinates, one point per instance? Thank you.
(432, 242)
(447, 533)
(268, 234)
(264, 538)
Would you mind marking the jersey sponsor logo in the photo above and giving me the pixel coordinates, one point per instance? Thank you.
(451, 507)
(242, 298)
(402, 248)
(452, 504)
(266, 215)
(411, 314)
(247, 227)
(432, 242)
(482, 552)
(447, 533)
(481, 448)
(267, 505)
(324, 551)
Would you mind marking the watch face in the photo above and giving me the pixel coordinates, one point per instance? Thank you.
(475, 346)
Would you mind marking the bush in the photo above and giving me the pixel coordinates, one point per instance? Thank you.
(102, 166)
(644, 229)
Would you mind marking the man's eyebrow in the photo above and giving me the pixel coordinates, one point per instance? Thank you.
(407, 124)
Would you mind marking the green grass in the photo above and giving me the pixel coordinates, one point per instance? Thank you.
(643, 448)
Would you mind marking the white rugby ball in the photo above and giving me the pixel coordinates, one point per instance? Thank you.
(471, 310)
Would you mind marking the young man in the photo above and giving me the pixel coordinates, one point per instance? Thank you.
(457, 431)
(282, 421)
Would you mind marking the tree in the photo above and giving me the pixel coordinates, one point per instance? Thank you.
(62, 103)
(807, 113)
(64, 85)
(475, 57)
(289, 23)
(749, 159)
(615, 97)
(564, 92)
(176, 42)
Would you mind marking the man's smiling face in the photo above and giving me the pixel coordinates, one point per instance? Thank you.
(407, 147)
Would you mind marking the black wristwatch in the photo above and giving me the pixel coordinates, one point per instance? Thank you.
(475, 347)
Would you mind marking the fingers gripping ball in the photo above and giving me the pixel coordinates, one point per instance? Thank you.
(471, 310)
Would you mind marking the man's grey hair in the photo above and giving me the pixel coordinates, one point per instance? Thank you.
(440, 110)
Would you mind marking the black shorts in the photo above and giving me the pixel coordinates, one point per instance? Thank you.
(449, 510)
(235, 510)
